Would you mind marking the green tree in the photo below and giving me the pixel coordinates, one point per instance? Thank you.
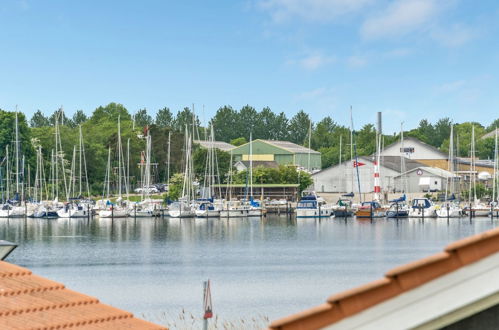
(61, 117)
(366, 140)
(110, 112)
(441, 131)
(185, 119)
(238, 141)
(79, 117)
(299, 127)
(39, 120)
(224, 123)
(164, 118)
(142, 118)
(247, 121)
(175, 188)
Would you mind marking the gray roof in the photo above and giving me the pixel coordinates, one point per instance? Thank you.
(434, 171)
(290, 146)
(410, 138)
(224, 146)
(490, 134)
(390, 162)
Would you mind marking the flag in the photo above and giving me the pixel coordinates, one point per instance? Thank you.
(208, 309)
(357, 164)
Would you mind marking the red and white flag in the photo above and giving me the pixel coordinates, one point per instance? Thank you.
(357, 164)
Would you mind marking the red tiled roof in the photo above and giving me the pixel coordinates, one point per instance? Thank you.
(396, 281)
(29, 301)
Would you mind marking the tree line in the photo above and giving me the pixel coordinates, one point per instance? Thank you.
(230, 125)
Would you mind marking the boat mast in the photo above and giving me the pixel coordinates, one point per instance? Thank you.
(494, 180)
(402, 159)
(7, 172)
(168, 161)
(17, 154)
(355, 153)
(251, 165)
(309, 143)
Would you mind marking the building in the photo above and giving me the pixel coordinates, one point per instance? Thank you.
(343, 178)
(270, 191)
(28, 301)
(453, 289)
(224, 146)
(281, 152)
(425, 179)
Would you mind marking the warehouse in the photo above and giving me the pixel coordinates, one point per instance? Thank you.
(344, 177)
(280, 152)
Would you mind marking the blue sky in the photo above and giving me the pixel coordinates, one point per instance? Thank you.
(410, 59)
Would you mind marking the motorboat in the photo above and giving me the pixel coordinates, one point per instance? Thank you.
(422, 208)
(398, 208)
(313, 206)
(369, 210)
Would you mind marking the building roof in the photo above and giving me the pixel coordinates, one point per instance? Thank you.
(490, 134)
(390, 162)
(256, 163)
(31, 301)
(458, 257)
(426, 145)
(224, 146)
(434, 171)
(290, 146)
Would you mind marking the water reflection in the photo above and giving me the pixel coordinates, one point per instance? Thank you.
(273, 266)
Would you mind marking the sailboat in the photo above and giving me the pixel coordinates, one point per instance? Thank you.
(78, 207)
(16, 207)
(146, 207)
(373, 209)
(206, 206)
(450, 208)
(476, 207)
(398, 207)
(183, 208)
(118, 209)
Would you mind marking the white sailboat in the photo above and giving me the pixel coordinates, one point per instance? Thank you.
(118, 209)
(476, 207)
(183, 207)
(450, 208)
(78, 207)
(207, 206)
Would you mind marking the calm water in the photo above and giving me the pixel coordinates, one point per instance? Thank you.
(273, 267)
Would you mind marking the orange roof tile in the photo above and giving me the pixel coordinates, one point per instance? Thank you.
(29, 301)
(396, 281)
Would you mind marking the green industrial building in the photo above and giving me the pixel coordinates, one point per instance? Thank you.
(280, 152)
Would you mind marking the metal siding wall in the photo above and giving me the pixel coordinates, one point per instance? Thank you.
(283, 159)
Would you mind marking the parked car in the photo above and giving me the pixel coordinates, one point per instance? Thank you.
(147, 190)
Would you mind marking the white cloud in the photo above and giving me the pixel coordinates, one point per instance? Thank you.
(452, 86)
(356, 61)
(401, 17)
(457, 35)
(312, 62)
(398, 52)
(311, 10)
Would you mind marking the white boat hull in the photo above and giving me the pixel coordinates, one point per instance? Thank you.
(116, 213)
(425, 212)
(314, 213)
(207, 213)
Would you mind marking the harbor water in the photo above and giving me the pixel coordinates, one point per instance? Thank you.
(271, 267)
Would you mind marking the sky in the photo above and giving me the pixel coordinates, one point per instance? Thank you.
(409, 59)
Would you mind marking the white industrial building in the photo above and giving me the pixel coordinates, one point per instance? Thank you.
(343, 178)
(425, 179)
(419, 158)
